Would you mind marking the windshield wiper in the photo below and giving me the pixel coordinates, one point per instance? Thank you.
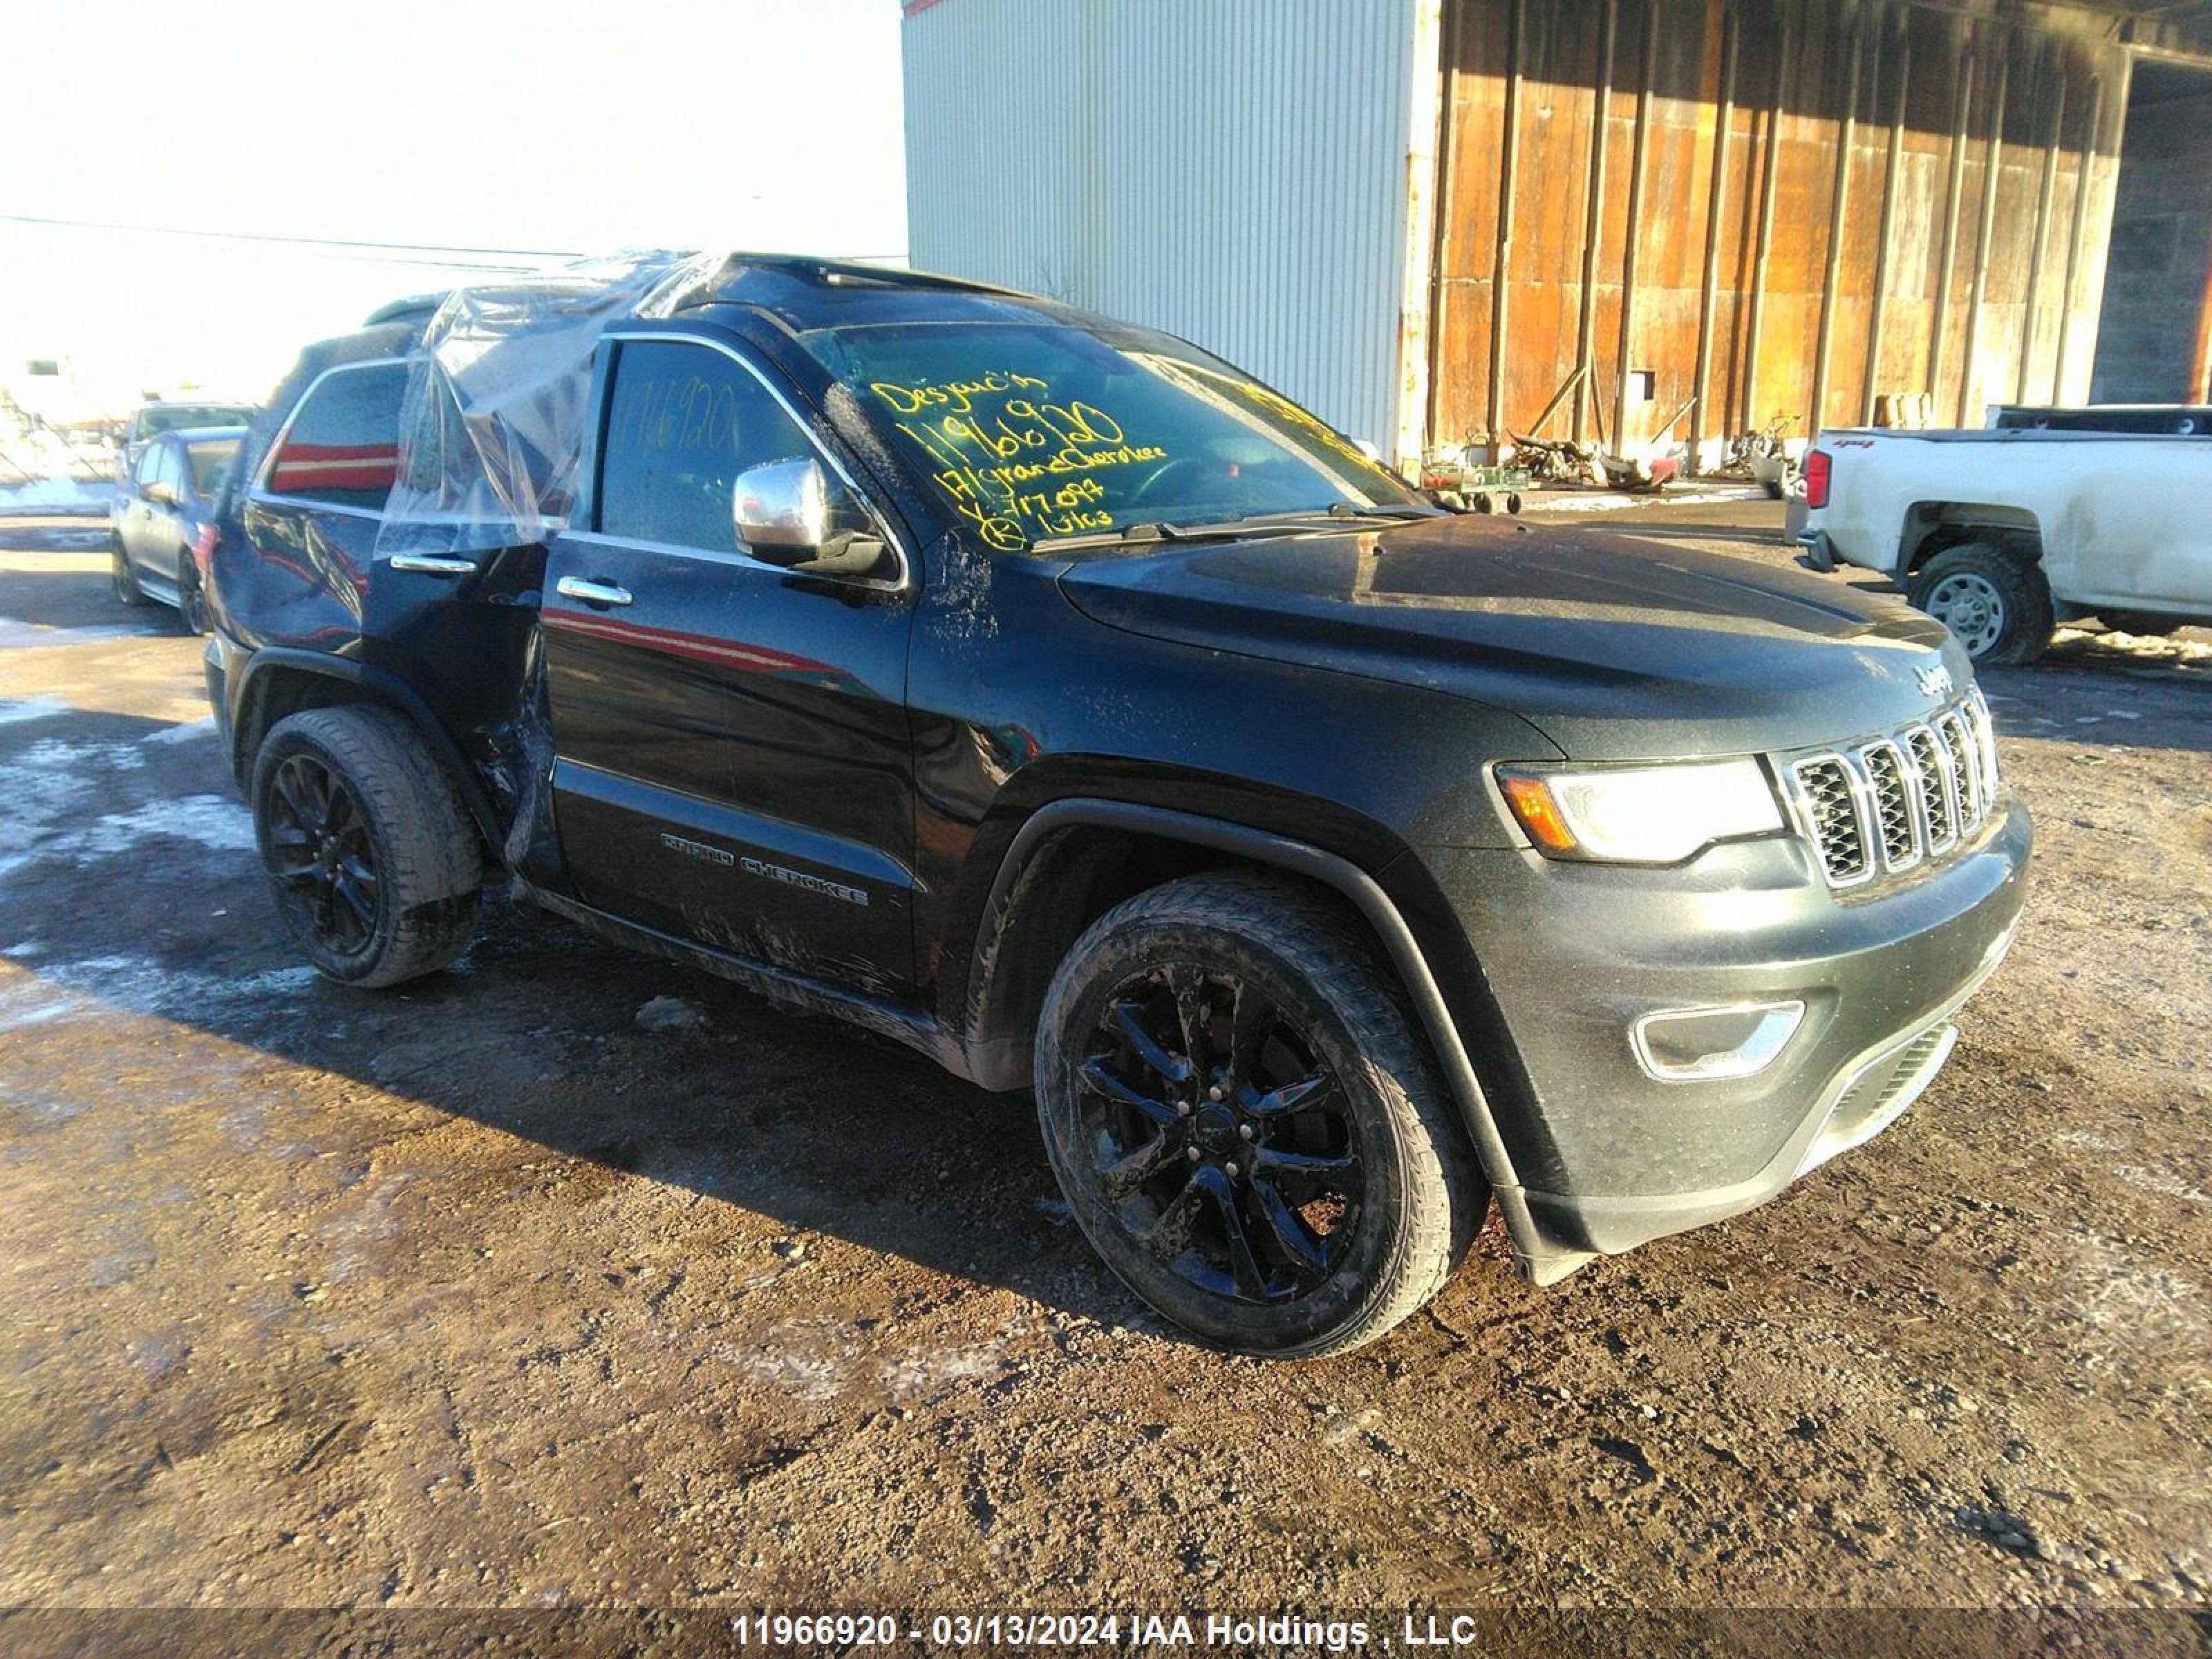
(1157, 530)
(1347, 510)
(1152, 530)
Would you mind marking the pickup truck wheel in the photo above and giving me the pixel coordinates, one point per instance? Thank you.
(1996, 606)
(371, 857)
(1245, 1122)
(121, 577)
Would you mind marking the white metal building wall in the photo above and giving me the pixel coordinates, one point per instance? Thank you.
(1231, 171)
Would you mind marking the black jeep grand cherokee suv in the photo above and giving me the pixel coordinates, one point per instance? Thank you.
(1046, 694)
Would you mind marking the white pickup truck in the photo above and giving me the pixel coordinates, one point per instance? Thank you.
(2045, 515)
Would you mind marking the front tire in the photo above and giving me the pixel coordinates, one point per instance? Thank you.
(121, 577)
(1245, 1122)
(371, 860)
(1996, 606)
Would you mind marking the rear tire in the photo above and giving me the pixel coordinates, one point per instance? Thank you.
(191, 601)
(120, 576)
(372, 858)
(1305, 1184)
(1996, 605)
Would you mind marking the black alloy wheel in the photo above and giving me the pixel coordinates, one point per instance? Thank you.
(1227, 1147)
(321, 855)
(372, 861)
(1245, 1120)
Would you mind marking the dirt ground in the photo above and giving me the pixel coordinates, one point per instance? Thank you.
(569, 1277)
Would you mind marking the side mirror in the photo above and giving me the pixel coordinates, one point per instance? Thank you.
(160, 493)
(788, 513)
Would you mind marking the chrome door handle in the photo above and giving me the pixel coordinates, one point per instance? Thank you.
(591, 592)
(431, 564)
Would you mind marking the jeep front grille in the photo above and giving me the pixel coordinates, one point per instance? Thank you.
(1882, 806)
(1924, 750)
(1896, 814)
(1833, 815)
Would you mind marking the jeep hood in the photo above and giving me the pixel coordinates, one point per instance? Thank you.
(1615, 648)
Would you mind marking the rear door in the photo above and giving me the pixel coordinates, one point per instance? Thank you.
(137, 510)
(732, 759)
(162, 531)
(312, 514)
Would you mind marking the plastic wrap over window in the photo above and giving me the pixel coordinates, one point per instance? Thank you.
(492, 423)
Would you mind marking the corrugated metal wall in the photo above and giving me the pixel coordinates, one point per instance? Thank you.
(1230, 171)
(1817, 202)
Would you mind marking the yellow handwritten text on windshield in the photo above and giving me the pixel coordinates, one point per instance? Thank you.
(1017, 463)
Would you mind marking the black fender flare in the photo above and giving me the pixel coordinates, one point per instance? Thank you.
(388, 688)
(1538, 1258)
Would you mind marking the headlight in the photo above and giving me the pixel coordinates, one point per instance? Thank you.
(1640, 814)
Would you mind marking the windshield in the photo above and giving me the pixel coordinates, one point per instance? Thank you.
(208, 460)
(1034, 432)
(177, 417)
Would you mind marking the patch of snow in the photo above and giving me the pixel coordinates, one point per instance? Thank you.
(35, 1003)
(2159, 1181)
(928, 1374)
(61, 754)
(34, 800)
(216, 821)
(184, 731)
(98, 986)
(672, 1016)
(57, 496)
(30, 708)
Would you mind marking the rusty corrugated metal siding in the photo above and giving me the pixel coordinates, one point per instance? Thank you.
(1866, 152)
(1230, 172)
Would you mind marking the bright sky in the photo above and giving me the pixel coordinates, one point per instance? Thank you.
(476, 124)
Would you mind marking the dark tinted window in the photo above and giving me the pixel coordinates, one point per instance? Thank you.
(683, 422)
(344, 444)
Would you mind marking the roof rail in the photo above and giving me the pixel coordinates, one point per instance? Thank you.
(834, 273)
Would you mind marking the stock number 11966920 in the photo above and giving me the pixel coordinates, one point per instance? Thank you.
(865, 1630)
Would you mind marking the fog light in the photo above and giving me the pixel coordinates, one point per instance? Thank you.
(1702, 1045)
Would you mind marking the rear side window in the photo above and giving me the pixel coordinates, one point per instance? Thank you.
(176, 417)
(682, 422)
(342, 445)
(208, 460)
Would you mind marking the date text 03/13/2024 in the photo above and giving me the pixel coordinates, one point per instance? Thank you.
(987, 1631)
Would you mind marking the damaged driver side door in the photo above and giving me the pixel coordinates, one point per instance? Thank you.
(732, 763)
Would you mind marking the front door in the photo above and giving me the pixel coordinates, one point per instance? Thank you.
(732, 764)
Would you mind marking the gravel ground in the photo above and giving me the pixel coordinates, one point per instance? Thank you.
(569, 1277)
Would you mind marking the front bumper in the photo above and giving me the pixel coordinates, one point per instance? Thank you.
(1605, 1156)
